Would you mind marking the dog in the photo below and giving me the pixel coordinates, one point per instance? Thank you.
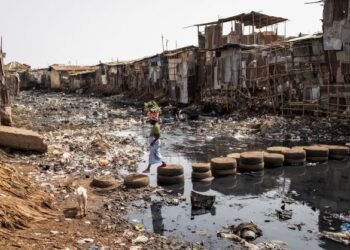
(81, 195)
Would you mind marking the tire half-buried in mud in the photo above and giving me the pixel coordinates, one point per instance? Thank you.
(103, 182)
(136, 181)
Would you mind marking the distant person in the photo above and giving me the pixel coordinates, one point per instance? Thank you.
(154, 143)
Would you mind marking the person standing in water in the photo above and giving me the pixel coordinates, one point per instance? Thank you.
(154, 143)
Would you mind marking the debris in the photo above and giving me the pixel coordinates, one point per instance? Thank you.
(272, 245)
(85, 240)
(345, 227)
(139, 227)
(140, 239)
(341, 237)
(284, 214)
(200, 201)
(246, 230)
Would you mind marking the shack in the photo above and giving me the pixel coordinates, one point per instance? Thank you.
(82, 80)
(336, 42)
(39, 78)
(59, 74)
(17, 76)
(181, 75)
(245, 28)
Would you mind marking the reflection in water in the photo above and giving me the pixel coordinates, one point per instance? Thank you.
(202, 186)
(157, 219)
(176, 188)
(224, 185)
(322, 190)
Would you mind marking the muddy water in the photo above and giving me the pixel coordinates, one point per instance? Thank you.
(318, 191)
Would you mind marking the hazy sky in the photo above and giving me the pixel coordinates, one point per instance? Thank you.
(43, 32)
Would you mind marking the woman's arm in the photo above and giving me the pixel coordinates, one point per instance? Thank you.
(156, 137)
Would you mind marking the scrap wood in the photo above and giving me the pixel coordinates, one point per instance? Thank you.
(341, 237)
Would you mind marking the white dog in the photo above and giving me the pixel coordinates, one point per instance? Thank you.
(81, 194)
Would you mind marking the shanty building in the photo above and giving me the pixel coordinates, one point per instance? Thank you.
(82, 80)
(17, 75)
(336, 42)
(157, 70)
(59, 74)
(182, 74)
(39, 78)
(228, 72)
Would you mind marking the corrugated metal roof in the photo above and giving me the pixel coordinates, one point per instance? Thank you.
(239, 46)
(71, 68)
(84, 72)
(116, 63)
(16, 67)
(307, 37)
(248, 19)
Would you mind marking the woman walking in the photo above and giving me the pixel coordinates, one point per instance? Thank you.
(154, 143)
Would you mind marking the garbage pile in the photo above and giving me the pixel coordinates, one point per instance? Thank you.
(82, 133)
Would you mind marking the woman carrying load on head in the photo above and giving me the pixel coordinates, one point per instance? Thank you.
(154, 142)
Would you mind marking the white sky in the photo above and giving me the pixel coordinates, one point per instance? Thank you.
(43, 32)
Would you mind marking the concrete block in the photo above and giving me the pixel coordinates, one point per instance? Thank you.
(22, 139)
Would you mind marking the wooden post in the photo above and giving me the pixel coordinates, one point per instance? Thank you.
(253, 29)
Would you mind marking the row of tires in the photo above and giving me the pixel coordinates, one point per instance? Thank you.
(247, 161)
(271, 158)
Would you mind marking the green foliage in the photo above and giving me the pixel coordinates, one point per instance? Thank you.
(152, 106)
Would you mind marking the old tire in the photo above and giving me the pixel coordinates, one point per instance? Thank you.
(276, 149)
(201, 175)
(170, 180)
(317, 159)
(294, 154)
(251, 167)
(235, 156)
(294, 162)
(103, 182)
(251, 158)
(316, 151)
(171, 170)
(136, 181)
(222, 173)
(200, 167)
(338, 152)
(273, 160)
(223, 163)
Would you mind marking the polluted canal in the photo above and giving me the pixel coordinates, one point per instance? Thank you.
(89, 136)
(316, 194)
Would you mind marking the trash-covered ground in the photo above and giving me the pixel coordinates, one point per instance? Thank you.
(89, 136)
